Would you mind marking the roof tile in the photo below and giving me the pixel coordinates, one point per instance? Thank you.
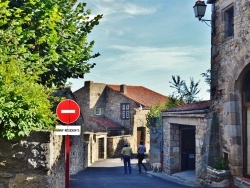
(141, 95)
(107, 123)
(192, 106)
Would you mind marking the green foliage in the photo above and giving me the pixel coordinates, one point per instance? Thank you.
(207, 76)
(49, 35)
(24, 104)
(42, 44)
(183, 92)
(155, 111)
(221, 164)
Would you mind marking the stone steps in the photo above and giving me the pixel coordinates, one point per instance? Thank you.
(242, 182)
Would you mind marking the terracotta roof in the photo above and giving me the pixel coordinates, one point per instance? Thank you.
(107, 123)
(141, 95)
(193, 106)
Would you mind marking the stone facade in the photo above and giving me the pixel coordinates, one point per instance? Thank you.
(116, 143)
(155, 144)
(173, 124)
(94, 95)
(95, 147)
(230, 67)
(224, 131)
(35, 162)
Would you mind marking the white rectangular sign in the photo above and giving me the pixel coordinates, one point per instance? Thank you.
(68, 130)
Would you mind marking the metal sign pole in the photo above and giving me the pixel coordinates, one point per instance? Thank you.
(67, 111)
(67, 152)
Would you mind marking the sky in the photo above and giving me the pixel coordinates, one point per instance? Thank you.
(145, 42)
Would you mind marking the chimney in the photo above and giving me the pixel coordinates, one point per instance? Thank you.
(123, 89)
(88, 83)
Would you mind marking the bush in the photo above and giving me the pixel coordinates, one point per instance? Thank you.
(221, 164)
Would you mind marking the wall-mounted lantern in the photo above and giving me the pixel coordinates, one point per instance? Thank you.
(199, 10)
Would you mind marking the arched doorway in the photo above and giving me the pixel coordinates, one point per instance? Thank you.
(246, 126)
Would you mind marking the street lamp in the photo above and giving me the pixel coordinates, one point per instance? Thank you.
(199, 10)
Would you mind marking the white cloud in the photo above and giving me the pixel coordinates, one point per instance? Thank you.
(138, 10)
(118, 10)
(154, 58)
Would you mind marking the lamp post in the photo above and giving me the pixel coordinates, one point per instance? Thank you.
(199, 10)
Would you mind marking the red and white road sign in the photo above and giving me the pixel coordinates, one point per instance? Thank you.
(68, 111)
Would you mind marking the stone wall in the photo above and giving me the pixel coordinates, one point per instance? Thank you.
(138, 121)
(155, 144)
(38, 160)
(92, 146)
(97, 94)
(34, 162)
(218, 178)
(116, 143)
(113, 109)
(230, 64)
(89, 96)
(172, 123)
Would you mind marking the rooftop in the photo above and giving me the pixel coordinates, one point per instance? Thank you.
(202, 105)
(107, 123)
(141, 95)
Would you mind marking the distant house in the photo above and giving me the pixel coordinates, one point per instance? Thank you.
(118, 110)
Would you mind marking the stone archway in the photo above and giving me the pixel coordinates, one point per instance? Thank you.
(246, 125)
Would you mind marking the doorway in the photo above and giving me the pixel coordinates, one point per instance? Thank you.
(141, 135)
(246, 127)
(187, 138)
(101, 148)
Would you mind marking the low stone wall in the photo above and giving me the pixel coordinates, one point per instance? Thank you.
(29, 163)
(218, 178)
(38, 161)
(116, 143)
(76, 154)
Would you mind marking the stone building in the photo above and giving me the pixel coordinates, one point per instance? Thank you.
(229, 113)
(188, 140)
(230, 84)
(118, 110)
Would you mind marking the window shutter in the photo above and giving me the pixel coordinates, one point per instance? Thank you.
(102, 111)
(94, 110)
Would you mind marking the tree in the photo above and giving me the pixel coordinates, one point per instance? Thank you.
(155, 111)
(25, 105)
(42, 44)
(183, 92)
(207, 76)
(182, 95)
(48, 35)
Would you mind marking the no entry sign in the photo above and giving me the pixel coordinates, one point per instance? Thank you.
(68, 111)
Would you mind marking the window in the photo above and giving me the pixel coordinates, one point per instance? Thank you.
(99, 111)
(229, 22)
(125, 111)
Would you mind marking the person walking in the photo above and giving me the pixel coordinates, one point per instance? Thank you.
(126, 156)
(140, 156)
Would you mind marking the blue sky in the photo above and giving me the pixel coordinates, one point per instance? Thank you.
(145, 42)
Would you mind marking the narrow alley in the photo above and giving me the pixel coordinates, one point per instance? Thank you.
(109, 173)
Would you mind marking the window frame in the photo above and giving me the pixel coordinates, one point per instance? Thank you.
(228, 16)
(98, 111)
(125, 111)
